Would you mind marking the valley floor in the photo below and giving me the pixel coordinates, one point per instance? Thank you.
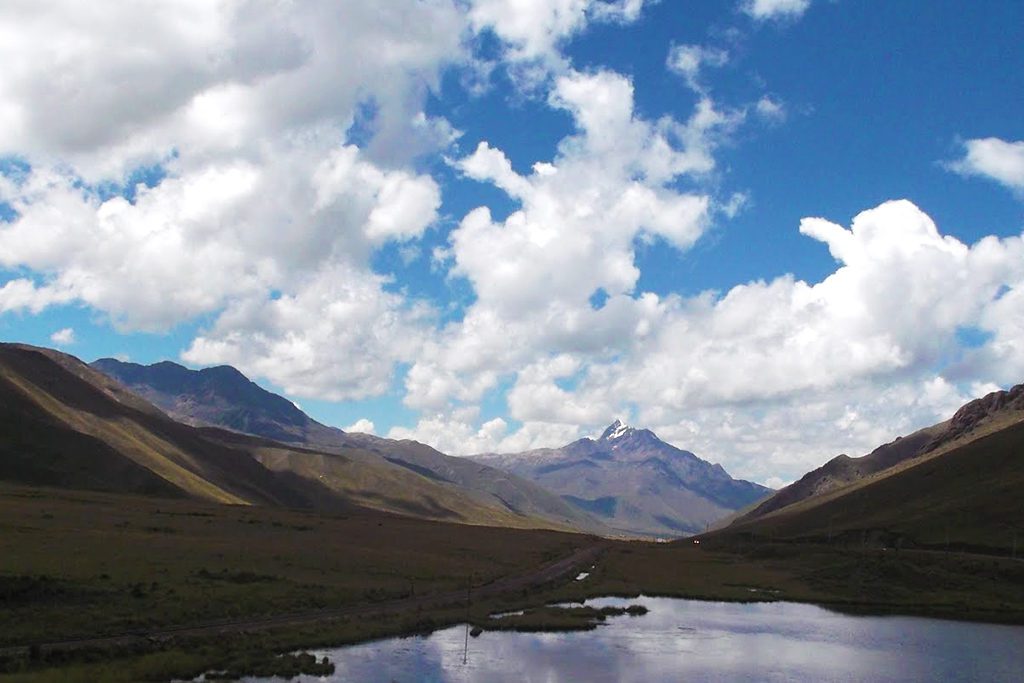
(105, 587)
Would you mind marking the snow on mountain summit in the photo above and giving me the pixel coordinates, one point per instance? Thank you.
(616, 430)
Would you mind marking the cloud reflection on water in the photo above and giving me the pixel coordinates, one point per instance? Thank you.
(701, 641)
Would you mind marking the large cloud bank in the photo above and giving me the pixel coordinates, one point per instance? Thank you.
(260, 214)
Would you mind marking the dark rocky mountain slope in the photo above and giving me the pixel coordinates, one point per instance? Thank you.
(634, 482)
(954, 487)
(974, 420)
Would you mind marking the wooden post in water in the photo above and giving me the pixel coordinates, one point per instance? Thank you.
(1014, 555)
(465, 650)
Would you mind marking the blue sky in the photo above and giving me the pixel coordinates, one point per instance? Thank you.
(342, 201)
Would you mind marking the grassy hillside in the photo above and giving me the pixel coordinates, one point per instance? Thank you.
(965, 497)
(363, 478)
(64, 424)
(843, 470)
(34, 384)
(35, 450)
(974, 420)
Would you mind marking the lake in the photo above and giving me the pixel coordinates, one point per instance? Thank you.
(688, 640)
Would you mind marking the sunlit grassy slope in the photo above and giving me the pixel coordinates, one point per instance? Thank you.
(64, 424)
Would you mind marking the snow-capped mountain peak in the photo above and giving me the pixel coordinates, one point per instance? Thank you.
(616, 430)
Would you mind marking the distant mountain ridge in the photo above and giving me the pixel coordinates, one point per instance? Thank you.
(224, 397)
(634, 482)
(219, 395)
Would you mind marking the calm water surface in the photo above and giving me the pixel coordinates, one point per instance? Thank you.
(687, 640)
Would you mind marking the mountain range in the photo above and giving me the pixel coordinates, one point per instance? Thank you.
(224, 397)
(214, 435)
(628, 480)
(634, 482)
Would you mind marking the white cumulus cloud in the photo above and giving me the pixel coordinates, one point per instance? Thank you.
(771, 109)
(361, 426)
(63, 337)
(775, 9)
(265, 218)
(769, 378)
(995, 159)
(580, 216)
(534, 29)
(336, 336)
(688, 60)
(282, 142)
